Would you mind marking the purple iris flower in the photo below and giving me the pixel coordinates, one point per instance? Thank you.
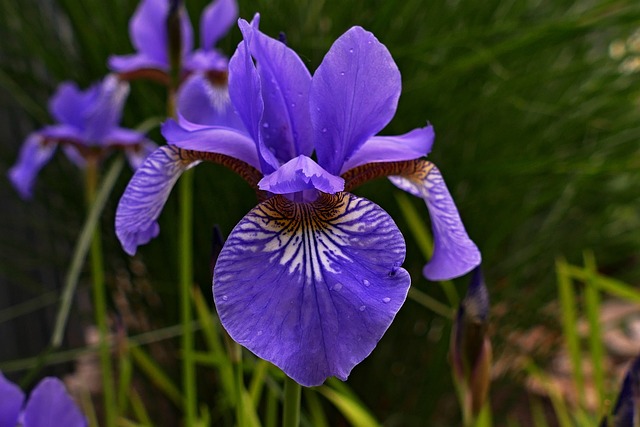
(48, 401)
(626, 412)
(149, 36)
(311, 278)
(88, 126)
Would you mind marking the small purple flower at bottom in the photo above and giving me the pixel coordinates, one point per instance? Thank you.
(48, 401)
(88, 126)
(311, 278)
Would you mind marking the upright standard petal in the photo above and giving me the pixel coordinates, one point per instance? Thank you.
(311, 287)
(301, 174)
(246, 96)
(50, 404)
(34, 154)
(146, 194)
(626, 412)
(354, 95)
(216, 21)
(285, 82)
(69, 104)
(105, 112)
(454, 254)
(10, 402)
(148, 32)
(204, 103)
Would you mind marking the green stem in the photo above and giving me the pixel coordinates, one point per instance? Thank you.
(291, 411)
(100, 301)
(186, 281)
(237, 360)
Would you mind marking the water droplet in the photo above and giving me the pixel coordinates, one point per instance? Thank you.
(337, 287)
(265, 125)
(351, 50)
(386, 300)
(293, 105)
(342, 73)
(224, 298)
(324, 130)
(366, 282)
(362, 308)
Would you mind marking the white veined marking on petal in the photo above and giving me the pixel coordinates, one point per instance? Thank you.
(306, 239)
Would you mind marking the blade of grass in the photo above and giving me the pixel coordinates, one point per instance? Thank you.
(569, 315)
(592, 308)
(313, 404)
(82, 247)
(156, 375)
(350, 407)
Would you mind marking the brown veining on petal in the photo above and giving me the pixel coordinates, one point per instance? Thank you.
(247, 172)
(417, 170)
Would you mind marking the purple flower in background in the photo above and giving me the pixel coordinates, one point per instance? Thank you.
(48, 401)
(149, 36)
(88, 126)
(626, 412)
(311, 278)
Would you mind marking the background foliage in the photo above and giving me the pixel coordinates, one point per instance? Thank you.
(535, 106)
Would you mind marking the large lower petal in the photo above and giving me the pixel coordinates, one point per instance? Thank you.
(10, 403)
(354, 94)
(311, 287)
(50, 404)
(146, 194)
(34, 154)
(454, 254)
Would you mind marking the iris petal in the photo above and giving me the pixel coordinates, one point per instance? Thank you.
(148, 32)
(354, 95)
(34, 154)
(311, 287)
(69, 103)
(105, 111)
(411, 145)
(201, 102)
(246, 96)
(11, 402)
(454, 254)
(285, 82)
(49, 403)
(216, 20)
(300, 174)
(146, 194)
(215, 139)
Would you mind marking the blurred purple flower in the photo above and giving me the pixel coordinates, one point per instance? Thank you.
(311, 278)
(88, 126)
(48, 401)
(149, 36)
(626, 413)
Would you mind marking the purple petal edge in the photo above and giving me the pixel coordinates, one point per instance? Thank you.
(454, 253)
(311, 287)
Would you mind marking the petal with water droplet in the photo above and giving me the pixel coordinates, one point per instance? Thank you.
(321, 280)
